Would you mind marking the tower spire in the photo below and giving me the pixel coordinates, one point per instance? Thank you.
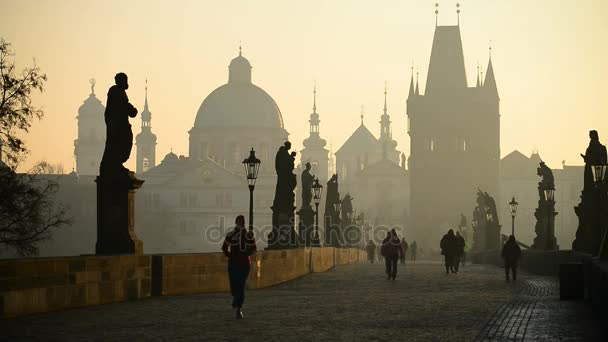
(385, 98)
(92, 82)
(146, 101)
(478, 84)
(436, 14)
(314, 98)
(417, 84)
(458, 12)
(362, 115)
(490, 80)
(240, 49)
(411, 93)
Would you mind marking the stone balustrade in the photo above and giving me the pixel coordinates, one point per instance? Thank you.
(45, 284)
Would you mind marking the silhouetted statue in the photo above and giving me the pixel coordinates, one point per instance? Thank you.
(595, 155)
(347, 207)
(116, 185)
(545, 212)
(591, 222)
(283, 216)
(286, 181)
(307, 182)
(486, 235)
(119, 137)
(332, 218)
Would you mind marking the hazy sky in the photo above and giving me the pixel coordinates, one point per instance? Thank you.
(549, 58)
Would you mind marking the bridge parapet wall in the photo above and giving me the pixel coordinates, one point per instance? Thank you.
(36, 285)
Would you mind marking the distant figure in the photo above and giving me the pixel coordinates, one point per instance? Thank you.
(392, 251)
(371, 251)
(404, 247)
(239, 246)
(511, 253)
(413, 250)
(459, 251)
(119, 137)
(307, 182)
(449, 250)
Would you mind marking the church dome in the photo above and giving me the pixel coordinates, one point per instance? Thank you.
(239, 103)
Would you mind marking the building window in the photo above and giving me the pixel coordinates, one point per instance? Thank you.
(462, 145)
(229, 199)
(145, 164)
(219, 200)
(183, 200)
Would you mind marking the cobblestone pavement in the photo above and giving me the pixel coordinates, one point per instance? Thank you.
(349, 303)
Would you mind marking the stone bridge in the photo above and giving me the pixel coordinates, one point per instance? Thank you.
(350, 300)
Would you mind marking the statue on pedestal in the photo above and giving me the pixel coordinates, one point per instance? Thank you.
(116, 185)
(306, 213)
(283, 232)
(545, 213)
(592, 210)
(332, 221)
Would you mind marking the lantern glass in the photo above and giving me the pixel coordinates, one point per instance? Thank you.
(550, 195)
(513, 205)
(337, 206)
(252, 167)
(599, 173)
(317, 191)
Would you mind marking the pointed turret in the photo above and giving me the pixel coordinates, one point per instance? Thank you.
(417, 85)
(446, 71)
(145, 140)
(490, 82)
(478, 84)
(412, 90)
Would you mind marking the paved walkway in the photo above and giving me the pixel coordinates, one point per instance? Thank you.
(349, 303)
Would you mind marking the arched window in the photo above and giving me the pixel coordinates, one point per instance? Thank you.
(145, 164)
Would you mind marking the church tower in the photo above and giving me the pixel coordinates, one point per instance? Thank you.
(145, 141)
(88, 148)
(454, 131)
(387, 143)
(314, 150)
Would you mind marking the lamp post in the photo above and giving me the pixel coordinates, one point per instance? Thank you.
(337, 207)
(513, 205)
(599, 180)
(317, 189)
(252, 167)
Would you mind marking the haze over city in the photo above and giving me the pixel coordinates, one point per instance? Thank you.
(549, 61)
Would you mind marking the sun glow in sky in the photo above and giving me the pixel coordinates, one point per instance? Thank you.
(549, 59)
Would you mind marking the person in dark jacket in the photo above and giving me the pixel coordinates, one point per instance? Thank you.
(511, 253)
(413, 250)
(371, 251)
(239, 246)
(459, 253)
(391, 251)
(449, 250)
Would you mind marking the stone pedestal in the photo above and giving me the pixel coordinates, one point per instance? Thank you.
(116, 215)
(306, 225)
(283, 235)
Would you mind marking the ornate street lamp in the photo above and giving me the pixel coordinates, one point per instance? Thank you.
(338, 206)
(317, 189)
(599, 174)
(513, 205)
(599, 179)
(252, 167)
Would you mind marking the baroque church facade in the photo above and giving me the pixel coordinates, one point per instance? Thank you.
(189, 202)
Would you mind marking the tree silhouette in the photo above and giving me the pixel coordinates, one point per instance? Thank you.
(27, 210)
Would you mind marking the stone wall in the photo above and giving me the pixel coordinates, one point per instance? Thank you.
(533, 261)
(596, 283)
(47, 284)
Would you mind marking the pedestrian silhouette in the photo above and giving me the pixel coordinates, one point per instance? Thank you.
(392, 251)
(449, 250)
(511, 254)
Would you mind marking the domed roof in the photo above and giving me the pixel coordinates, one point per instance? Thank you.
(170, 157)
(91, 106)
(239, 103)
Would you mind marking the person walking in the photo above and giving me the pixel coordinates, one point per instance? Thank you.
(404, 247)
(413, 250)
(459, 251)
(371, 251)
(449, 250)
(239, 246)
(511, 253)
(391, 251)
